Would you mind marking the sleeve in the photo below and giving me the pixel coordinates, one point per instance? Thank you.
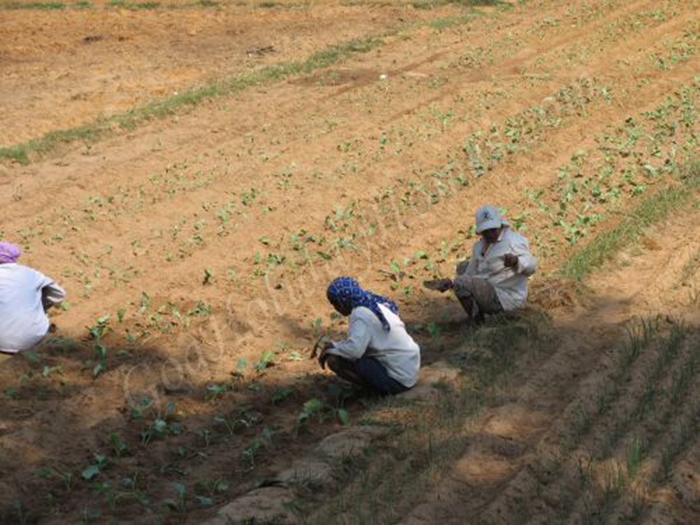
(52, 294)
(470, 271)
(527, 263)
(471, 267)
(358, 339)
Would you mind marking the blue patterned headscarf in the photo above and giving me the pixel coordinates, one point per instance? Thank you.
(347, 293)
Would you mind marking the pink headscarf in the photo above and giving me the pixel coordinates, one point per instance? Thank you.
(9, 253)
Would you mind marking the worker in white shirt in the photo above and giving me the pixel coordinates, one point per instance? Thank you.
(25, 296)
(495, 278)
(378, 353)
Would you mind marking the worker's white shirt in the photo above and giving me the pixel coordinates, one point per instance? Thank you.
(510, 283)
(396, 350)
(23, 322)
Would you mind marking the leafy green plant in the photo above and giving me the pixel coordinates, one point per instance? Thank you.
(434, 329)
(204, 435)
(251, 453)
(163, 425)
(312, 407)
(205, 492)
(264, 361)
(343, 416)
(281, 395)
(94, 469)
(67, 478)
(97, 332)
(119, 446)
(179, 502)
(216, 390)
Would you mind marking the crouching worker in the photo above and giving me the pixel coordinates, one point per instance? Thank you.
(25, 296)
(378, 353)
(495, 278)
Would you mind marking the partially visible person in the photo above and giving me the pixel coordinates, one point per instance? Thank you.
(495, 278)
(378, 353)
(25, 296)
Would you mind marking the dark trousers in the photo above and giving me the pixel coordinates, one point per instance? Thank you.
(367, 372)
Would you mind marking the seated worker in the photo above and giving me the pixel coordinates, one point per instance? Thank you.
(25, 296)
(378, 353)
(494, 279)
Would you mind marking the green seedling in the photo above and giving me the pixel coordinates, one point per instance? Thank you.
(32, 356)
(90, 514)
(163, 425)
(265, 361)
(159, 429)
(230, 426)
(201, 309)
(317, 327)
(143, 404)
(241, 367)
(205, 436)
(394, 271)
(97, 332)
(48, 370)
(103, 487)
(216, 390)
(144, 302)
(119, 446)
(205, 501)
(94, 469)
(281, 395)
(12, 392)
(343, 416)
(43, 473)
(250, 454)
(67, 478)
(242, 421)
(177, 504)
(295, 355)
(312, 408)
(434, 330)
(206, 491)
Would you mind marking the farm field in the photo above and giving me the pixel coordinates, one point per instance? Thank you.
(194, 174)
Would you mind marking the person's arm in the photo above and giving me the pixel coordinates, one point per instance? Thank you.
(470, 271)
(471, 267)
(527, 263)
(51, 293)
(357, 341)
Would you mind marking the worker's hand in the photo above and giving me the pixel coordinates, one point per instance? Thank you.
(444, 285)
(510, 260)
(439, 285)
